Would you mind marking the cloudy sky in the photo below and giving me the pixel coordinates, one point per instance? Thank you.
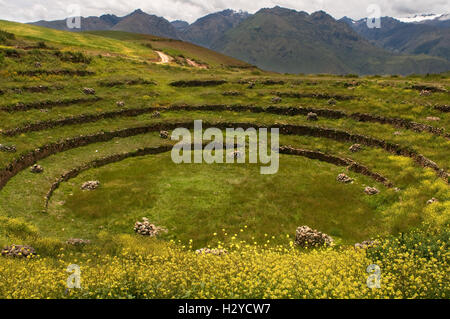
(190, 10)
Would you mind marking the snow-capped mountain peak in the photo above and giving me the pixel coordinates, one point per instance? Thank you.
(424, 17)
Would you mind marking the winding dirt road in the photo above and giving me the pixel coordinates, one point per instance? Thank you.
(163, 57)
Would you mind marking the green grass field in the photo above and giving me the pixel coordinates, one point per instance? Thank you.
(204, 205)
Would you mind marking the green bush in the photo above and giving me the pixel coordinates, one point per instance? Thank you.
(425, 242)
(16, 227)
(4, 36)
(73, 57)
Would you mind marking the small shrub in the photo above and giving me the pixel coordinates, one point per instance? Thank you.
(17, 227)
(73, 57)
(5, 36)
(41, 45)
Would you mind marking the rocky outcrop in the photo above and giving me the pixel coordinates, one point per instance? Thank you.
(145, 228)
(90, 185)
(164, 134)
(36, 169)
(355, 148)
(306, 237)
(19, 251)
(343, 178)
(89, 91)
(442, 108)
(312, 116)
(78, 242)
(371, 190)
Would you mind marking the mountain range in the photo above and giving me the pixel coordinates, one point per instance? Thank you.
(430, 37)
(285, 40)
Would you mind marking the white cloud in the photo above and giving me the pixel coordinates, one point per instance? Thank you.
(190, 10)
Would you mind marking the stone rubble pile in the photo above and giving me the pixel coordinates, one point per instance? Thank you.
(88, 91)
(144, 228)
(156, 115)
(425, 93)
(6, 148)
(355, 148)
(344, 179)
(18, 251)
(306, 237)
(367, 244)
(208, 251)
(164, 134)
(371, 190)
(312, 117)
(90, 185)
(78, 242)
(37, 169)
(277, 99)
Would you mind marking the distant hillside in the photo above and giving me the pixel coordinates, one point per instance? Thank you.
(180, 25)
(141, 22)
(104, 22)
(430, 37)
(211, 28)
(175, 48)
(137, 22)
(285, 40)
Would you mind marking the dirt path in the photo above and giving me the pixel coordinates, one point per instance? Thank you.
(164, 58)
(195, 64)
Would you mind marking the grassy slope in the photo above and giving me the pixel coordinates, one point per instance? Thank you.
(174, 47)
(87, 42)
(287, 41)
